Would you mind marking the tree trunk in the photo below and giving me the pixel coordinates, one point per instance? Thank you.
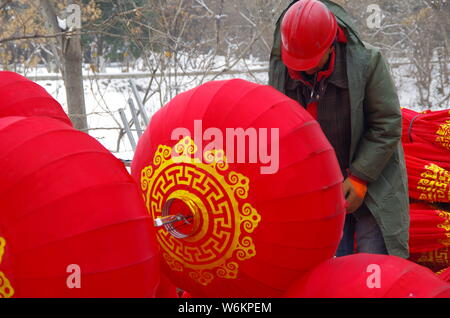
(70, 53)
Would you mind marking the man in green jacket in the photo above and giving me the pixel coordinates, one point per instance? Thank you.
(319, 60)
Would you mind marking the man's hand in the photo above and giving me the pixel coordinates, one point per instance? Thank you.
(354, 191)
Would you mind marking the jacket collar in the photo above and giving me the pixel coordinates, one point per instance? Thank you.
(339, 75)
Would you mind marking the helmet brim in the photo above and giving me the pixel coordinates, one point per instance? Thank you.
(296, 64)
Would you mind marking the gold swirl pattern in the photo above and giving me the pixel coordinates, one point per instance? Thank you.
(249, 217)
(6, 290)
(228, 270)
(222, 219)
(202, 277)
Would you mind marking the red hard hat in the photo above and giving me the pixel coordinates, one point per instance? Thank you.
(308, 29)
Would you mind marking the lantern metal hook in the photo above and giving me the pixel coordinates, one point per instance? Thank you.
(166, 220)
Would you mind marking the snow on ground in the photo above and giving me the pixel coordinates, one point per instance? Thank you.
(105, 97)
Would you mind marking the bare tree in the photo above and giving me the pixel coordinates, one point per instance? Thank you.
(70, 55)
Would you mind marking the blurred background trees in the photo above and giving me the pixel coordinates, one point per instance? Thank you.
(170, 36)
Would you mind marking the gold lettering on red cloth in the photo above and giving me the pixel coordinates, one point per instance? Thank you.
(445, 226)
(434, 185)
(443, 135)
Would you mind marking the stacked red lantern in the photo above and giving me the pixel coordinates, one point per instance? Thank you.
(21, 97)
(70, 213)
(370, 276)
(236, 231)
(445, 275)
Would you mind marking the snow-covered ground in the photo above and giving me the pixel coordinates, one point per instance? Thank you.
(104, 97)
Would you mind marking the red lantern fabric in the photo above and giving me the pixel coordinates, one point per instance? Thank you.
(435, 260)
(21, 97)
(431, 127)
(165, 288)
(369, 276)
(70, 214)
(186, 295)
(428, 180)
(242, 233)
(429, 229)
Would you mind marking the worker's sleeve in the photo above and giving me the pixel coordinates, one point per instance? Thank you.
(383, 122)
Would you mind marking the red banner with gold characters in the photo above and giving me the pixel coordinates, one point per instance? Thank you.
(233, 230)
(72, 220)
(427, 180)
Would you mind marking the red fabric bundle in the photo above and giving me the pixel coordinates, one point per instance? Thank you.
(428, 152)
(407, 116)
(431, 127)
(428, 180)
(430, 228)
(435, 260)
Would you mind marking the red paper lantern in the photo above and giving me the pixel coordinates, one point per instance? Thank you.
(445, 275)
(186, 295)
(369, 276)
(239, 231)
(70, 213)
(21, 97)
(429, 229)
(165, 288)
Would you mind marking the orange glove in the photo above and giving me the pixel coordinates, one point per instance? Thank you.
(355, 191)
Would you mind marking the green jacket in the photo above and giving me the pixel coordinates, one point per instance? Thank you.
(376, 151)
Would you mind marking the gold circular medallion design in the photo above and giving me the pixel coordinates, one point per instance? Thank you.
(220, 221)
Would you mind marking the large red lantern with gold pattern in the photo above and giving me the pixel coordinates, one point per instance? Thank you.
(71, 216)
(21, 97)
(369, 276)
(239, 218)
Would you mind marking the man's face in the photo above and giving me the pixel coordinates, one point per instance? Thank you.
(322, 62)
